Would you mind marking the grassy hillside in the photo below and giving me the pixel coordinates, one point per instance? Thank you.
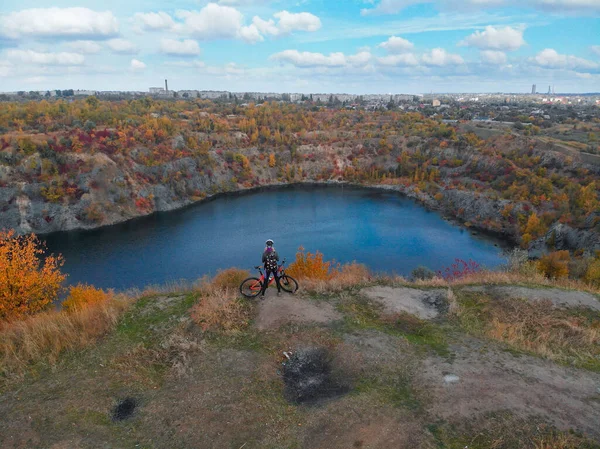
(496, 360)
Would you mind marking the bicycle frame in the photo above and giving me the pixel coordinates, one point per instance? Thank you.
(280, 272)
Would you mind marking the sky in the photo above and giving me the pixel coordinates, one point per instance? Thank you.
(305, 46)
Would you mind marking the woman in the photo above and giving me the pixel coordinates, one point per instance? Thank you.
(270, 259)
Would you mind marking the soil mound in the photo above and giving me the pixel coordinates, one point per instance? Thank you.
(425, 304)
(276, 311)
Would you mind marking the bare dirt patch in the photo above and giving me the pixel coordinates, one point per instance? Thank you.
(482, 380)
(425, 304)
(560, 298)
(275, 311)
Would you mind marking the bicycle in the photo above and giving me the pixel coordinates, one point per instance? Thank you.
(251, 287)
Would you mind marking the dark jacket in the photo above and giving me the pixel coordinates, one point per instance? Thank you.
(273, 256)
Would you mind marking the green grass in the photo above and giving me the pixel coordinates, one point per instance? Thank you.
(360, 313)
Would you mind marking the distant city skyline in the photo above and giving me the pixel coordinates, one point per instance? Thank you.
(355, 46)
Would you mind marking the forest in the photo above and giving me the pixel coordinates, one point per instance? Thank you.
(68, 164)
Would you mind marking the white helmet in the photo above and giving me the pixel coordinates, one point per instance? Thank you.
(269, 242)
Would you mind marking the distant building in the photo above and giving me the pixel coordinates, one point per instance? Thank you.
(157, 90)
(533, 89)
(436, 103)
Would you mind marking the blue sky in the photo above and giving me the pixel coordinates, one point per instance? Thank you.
(353, 46)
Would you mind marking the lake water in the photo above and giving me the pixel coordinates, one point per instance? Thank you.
(385, 231)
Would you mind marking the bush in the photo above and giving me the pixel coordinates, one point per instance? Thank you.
(422, 273)
(593, 272)
(82, 296)
(28, 281)
(230, 278)
(310, 266)
(555, 265)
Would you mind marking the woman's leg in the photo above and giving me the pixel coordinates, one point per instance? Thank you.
(276, 274)
(266, 282)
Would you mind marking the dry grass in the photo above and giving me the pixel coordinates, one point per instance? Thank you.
(43, 337)
(346, 276)
(219, 309)
(174, 353)
(561, 441)
(506, 278)
(534, 327)
(230, 278)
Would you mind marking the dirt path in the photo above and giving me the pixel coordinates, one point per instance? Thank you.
(481, 380)
(275, 311)
(560, 298)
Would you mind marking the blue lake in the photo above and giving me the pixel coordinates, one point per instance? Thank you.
(382, 230)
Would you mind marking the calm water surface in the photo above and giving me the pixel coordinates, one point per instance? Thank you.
(383, 230)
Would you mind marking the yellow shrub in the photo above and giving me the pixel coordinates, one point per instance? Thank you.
(82, 295)
(230, 278)
(555, 265)
(593, 272)
(310, 266)
(29, 282)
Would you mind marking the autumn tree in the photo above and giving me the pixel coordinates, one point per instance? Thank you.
(29, 282)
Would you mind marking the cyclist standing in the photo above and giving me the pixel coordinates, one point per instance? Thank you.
(270, 259)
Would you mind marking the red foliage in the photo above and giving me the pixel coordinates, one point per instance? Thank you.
(459, 269)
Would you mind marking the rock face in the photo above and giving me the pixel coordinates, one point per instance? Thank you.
(564, 237)
(98, 190)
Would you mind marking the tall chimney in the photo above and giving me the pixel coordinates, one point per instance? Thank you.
(166, 86)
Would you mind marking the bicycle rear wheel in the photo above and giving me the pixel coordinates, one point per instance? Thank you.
(251, 287)
(288, 283)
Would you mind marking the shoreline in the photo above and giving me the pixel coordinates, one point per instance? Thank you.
(503, 240)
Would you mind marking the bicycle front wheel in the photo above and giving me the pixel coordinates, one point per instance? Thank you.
(251, 287)
(288, 284)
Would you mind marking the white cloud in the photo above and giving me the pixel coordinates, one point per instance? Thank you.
(287, 23)
(58, 22)
(303, 21)
(34, 57)
(137, 65)
(505, 39)
(551, 59)
(333, 60)
(87, 47)
(406, 59)
(122, 46)
(395, 45)
(391, 6)
(595, 49)
(215, 21)
(6, 68)
(309, 59)
(440, 57)
(395, 6)
(573, 5)
(212, 22)
(360, 59)
(265, 26)
(187, 47)
(154, 21)
(493, 57)
(251, 34)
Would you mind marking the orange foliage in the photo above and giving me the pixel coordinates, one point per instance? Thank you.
(82, 296)
(28, 282)
(555, 265)
(310, 266)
